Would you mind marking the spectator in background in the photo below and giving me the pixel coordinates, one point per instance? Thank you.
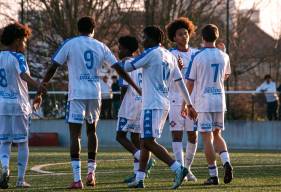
(269, 88)
(116, 100)
(106, 99)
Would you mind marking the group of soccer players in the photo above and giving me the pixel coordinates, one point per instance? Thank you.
(156, 88)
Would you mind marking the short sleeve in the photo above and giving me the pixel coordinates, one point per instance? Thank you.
(21, 66)
(61, 54)
(109, 58)
(140, 61)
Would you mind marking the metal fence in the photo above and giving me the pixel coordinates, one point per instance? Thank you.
(241, 105)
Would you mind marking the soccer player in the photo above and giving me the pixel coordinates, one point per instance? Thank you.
(15, 109)
(210, 68)
(180, 31)
(130, 110)
(84, 56)
(159, 69)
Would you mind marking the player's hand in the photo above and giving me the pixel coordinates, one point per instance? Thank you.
(37, 102)
(184, 111)
(192, 114)
(180, 62)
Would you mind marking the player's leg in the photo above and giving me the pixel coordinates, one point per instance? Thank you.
(75, 149)
(75, 120)
(205, 125)
(191, 147)
(92, 116)
(5, 148)
(221, 147)
(176, 127)
(5, 151)
(22, 127)
(153, 125)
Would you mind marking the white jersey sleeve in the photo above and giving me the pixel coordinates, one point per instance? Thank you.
(140, 61)
(109, 58)
(61, 55)
(228, 68)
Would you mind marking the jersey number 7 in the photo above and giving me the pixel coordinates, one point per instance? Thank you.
(216, 70)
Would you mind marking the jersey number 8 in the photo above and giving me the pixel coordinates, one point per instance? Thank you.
(3, 79)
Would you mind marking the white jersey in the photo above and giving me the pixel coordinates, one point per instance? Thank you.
(14, 98)
(84, 57)
(159, 68)
(174, 94)
(208, 70)
(131, 104)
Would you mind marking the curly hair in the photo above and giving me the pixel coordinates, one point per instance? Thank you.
(13, 32)
(181, 22)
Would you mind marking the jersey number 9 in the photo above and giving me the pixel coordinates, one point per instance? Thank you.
(89, 59)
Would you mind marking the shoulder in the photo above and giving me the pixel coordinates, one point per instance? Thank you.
(20, 57)
(197, 53)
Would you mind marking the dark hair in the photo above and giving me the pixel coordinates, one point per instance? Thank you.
(129, 42)
(14, 31)
(154, 33)
(267, 76)
(182, 22)
(114, 77)
(210, 33)
(86, 25)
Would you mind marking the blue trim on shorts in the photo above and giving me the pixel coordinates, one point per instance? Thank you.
(195, 126)
(121, 123)
(147, 124)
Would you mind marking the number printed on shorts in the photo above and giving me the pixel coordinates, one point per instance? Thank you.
(216, 70)
(89, 59)
(3, 79)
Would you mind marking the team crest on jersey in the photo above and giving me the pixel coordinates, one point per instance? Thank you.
(173, 124)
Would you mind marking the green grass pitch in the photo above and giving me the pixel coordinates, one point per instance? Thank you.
(253, 171)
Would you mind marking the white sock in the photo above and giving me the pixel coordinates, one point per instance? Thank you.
(140, 176)
(5, 150)
(137, 155)
(23, 153)
(175, 166)
(91, 166)
(178, 151)
(224, 155)
(213, 170)
(136, 165)
(190, 153)
(76, 169)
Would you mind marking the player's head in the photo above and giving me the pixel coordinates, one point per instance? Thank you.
(127, 45)
(180, 30)
(15, 36)
(86, 25)
(114, 78)
(152, 36)
(210, 33)
(267, 78)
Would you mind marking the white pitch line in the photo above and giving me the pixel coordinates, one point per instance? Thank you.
(38, 168)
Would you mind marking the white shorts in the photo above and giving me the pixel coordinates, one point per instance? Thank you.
(177, 122)
(128, 125)
(208, 122)
(14, 128)
(152, 122)
(78, 110)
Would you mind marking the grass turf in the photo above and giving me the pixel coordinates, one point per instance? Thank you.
(253, 171)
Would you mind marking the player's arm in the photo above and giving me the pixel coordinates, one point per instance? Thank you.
(123, 74)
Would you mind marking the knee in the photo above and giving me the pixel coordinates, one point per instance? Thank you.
(147, 143)
(192, 137)
(177, 136)
(119, 137)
